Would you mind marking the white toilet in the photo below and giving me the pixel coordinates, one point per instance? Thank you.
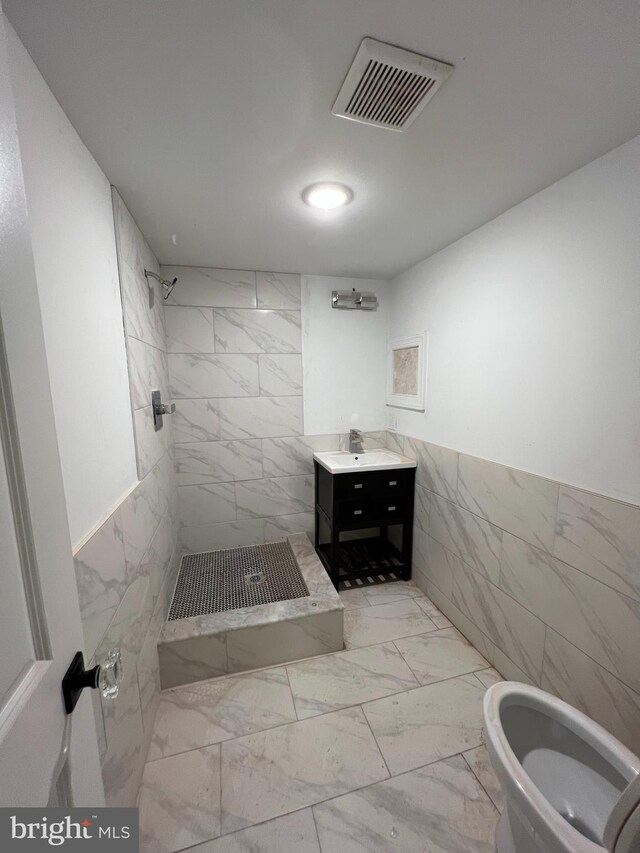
(569, 786)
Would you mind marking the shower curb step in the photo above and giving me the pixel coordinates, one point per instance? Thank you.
(213, 644)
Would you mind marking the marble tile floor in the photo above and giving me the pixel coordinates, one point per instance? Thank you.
(377, 747)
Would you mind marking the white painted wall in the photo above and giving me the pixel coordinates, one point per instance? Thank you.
(72, 229)
(343, 357)
(534, 323)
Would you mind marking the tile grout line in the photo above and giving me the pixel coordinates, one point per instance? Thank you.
(361, 706)
(315, 823)
(293, 698)
(477, 778)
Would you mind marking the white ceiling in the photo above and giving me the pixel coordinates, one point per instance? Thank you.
(211, 116)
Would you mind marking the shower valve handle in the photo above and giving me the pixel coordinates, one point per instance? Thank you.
(159, 409)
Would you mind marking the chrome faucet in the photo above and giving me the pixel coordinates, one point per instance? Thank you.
(355, 441)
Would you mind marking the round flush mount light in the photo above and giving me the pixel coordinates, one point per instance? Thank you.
(327, 196)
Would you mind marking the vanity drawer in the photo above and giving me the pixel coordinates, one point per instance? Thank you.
(355, 511)
(384, 512)
(390, 510)
(372, 484)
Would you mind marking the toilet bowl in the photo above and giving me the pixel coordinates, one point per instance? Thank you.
(569, 786)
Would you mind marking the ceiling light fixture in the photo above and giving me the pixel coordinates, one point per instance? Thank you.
(327, 196)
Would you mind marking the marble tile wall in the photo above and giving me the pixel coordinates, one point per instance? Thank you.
(244, 467)
(126, 569)
(542, 578)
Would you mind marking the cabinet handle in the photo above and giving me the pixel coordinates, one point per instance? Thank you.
(357, 512)
(357, 486)
(390, 508)
(393, 482)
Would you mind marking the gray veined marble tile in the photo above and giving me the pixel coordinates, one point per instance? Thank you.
(259, 417)
(352, 599)
(437, 617)
(261, 331)
(599, 620)
(150, 445)
(601, 537)
(123, 762)
(437, 466)
(384, 622)
(196, 420)
(218, 462)
(147, 372)
(278, 290)
(189, 329)
(141, 512)
(291, 833)
(475, 540)
(434, 561)
(279, 527)
(289, 455)
(142, 320)
(348, 678)
(274, 772)
(520, 503)
(373, 440)
(428, 606)
(461, 621)
(101, 577)
(440, 655)
(280, 496)
(395, 441)
(580, 681)
(207, 504)
(272, 643)
(388, 593)
(195, 659)
(506, 622)
(428, 723)
(508, 668)
(286, 456)
(148, 673)
(436, 809)
(421, 508)
(480, 763)
(280, 374)
(204, 286)
(180, 801)
(212, 375)
(489, 676)
(229, 534)
(124, 759)
(214, 711)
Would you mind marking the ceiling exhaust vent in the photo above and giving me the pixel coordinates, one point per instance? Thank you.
(387, 86)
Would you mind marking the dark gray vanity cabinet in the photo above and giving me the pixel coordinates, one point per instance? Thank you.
(380, 502)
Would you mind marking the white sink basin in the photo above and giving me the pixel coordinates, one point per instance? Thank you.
(343, 462)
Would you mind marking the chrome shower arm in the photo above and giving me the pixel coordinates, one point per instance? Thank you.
(167, 285)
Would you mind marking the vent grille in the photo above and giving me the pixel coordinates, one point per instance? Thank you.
(387, 86)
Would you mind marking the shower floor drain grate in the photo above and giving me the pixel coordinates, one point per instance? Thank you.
(217, 581)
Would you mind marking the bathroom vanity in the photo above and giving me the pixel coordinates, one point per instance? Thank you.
(364, 515)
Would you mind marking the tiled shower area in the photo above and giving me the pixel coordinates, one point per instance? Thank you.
(235, 367)
(231, 467)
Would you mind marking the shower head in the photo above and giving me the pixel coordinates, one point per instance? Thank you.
(167, 286)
